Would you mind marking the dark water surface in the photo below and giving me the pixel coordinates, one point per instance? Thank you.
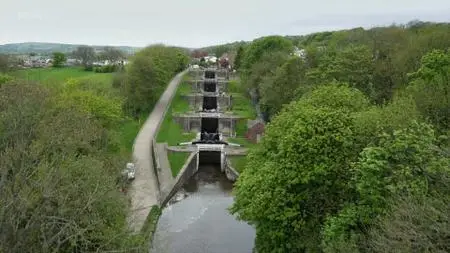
(201, 223)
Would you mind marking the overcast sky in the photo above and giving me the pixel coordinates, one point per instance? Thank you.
(197, 23)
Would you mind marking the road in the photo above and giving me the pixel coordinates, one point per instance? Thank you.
(144, 189)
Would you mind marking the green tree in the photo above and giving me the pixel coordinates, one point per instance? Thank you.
(59, 59)
(148, 74)
(298, 175)
(113, 55)
(264, 45)
(406, 162)
(57, 180)
(414, 224)
(85, 54)
(287, 83)
(264, 69)
(352, 65)
(430, 87)
(238, 59)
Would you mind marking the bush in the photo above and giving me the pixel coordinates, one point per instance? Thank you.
(5, 78)
(148, 74)
(106, 69)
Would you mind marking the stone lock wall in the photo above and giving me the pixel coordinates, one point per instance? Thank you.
(189, 124)
(224, 102)
(197, 86)
(196, 102)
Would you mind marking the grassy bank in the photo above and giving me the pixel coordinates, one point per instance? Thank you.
(149, 227)
(177, 160)
(238, 162)
(170, 131)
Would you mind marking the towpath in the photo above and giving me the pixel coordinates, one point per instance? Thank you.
(144, 189)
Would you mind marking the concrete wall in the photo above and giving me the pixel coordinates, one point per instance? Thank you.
(197, 86)
(230, 172)
(196, 102)
(190, 167)
(227, 126)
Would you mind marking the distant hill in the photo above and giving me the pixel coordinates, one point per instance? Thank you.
(48, 48)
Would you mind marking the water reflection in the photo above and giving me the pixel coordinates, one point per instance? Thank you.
(200, 223)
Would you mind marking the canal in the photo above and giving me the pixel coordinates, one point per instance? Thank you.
(197, 220)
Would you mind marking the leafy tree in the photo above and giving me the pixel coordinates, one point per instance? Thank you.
(148, 74)
(238, 58)
(59, 59)
(112, 54)
(430, 88)
(352, 65)
(85, 54)
(287, 83)
(264, 69)
(259, 47)
(57, 178)
(298, 175)
(414, 224)
(404, 163)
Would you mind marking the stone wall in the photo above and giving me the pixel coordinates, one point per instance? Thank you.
(230, 172)
(190, 167)
(227, 126)
(196, 102)
(197, 86)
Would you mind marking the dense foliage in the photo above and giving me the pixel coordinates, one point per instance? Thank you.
(60, 166)
(58, 59)
(148, 74)
(63, 146)
(356, 155)
(376, 61)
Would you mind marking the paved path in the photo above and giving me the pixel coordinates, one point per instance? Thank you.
(144, 189)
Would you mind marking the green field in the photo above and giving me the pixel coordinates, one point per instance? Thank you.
(60, 75)
(100, 83)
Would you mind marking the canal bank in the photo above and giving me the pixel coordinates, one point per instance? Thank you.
(207, 114)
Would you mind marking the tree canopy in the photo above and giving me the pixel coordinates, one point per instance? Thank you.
(149, 73)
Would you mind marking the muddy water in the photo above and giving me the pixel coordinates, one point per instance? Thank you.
(197, 219)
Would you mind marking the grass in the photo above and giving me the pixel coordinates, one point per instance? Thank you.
(238, 162)
(177, 160)
(179, 103)
(59, 75)
(128, 131)
(234, 86)
(149, 227)
(170, 131)
(242, 141)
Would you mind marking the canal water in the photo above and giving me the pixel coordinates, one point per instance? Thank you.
(197, 218)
